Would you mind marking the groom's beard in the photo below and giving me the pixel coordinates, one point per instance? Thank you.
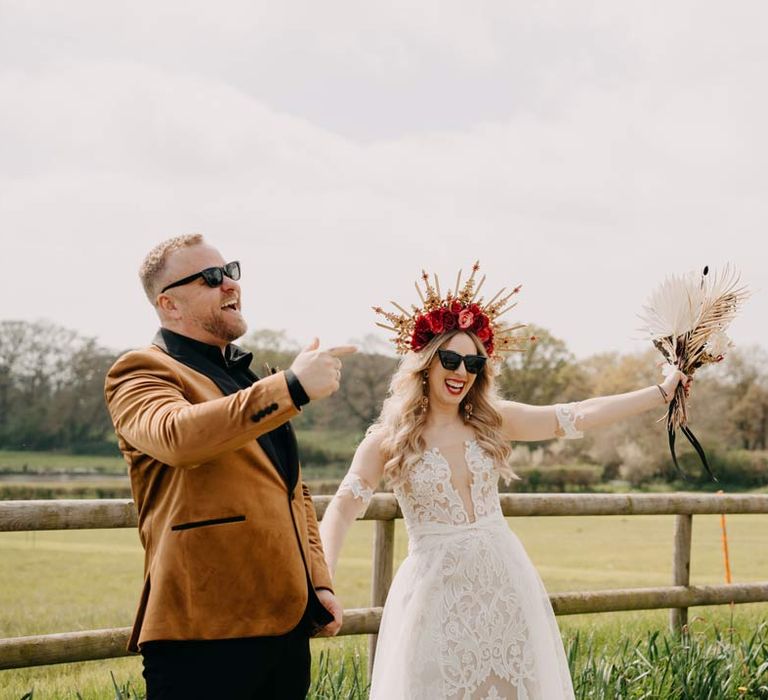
(225, 328)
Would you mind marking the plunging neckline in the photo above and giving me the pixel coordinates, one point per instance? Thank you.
(472, 482)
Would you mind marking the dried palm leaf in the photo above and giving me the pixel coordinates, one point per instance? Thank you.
(686, 319)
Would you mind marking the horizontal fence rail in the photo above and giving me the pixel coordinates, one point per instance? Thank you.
(19, 516)
(94, 514)
(43, 649)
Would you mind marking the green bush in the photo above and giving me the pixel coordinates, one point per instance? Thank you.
(554, 479)
(739, 468)
(323, 448)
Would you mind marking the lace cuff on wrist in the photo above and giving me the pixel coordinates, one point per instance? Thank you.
(353, 486)
(567, 414)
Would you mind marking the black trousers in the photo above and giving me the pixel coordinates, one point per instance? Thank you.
(252, 668)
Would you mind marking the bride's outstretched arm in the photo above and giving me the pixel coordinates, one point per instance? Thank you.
(527, 423)
(352, 497)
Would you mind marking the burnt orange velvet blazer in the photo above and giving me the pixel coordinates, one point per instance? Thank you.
(230, 548)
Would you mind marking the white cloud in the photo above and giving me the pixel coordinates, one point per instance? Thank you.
(585, 151)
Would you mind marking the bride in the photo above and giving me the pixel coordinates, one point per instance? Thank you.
(467, 617)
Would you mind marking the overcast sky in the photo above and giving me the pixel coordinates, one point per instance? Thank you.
(583, 149)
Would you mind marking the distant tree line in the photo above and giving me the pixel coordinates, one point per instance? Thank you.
(51, 398)
(51, 389)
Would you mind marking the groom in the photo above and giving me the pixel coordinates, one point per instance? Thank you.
(235, 581)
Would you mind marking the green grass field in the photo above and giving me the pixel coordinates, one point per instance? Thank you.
(41, 462)
(64, 581)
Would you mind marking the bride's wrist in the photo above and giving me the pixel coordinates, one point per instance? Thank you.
(668, 387)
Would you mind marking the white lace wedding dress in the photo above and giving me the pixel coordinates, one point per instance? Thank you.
(467, 617)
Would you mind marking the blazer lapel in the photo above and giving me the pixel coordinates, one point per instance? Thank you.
(291, 452)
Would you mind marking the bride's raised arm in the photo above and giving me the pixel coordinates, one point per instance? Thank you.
(523, 422)
(352, 497)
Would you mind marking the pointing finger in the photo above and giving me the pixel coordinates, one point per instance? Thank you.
(342, 350)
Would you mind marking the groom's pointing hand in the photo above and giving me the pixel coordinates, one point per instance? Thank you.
(319, 371)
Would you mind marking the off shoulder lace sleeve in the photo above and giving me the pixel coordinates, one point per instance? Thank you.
(354, 488)
(350, 502)
(567, 414)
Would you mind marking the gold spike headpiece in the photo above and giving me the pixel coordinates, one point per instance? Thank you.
(461, 309)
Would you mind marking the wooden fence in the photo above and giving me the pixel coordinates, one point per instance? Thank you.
(108, 643)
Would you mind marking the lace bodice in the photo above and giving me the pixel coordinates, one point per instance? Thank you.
(428, 495)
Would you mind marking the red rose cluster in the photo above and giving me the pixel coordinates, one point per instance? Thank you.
(449, 316)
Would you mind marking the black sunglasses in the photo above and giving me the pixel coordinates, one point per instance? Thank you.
(452, 361)
(213, 276)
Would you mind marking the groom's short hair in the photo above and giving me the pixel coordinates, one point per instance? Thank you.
(154, 263)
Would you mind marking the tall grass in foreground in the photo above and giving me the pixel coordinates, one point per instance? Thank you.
(339, 677)
(694, 666)
(708, 665)
(698, 665)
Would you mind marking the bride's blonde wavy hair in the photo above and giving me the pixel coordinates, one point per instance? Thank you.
(401, 421)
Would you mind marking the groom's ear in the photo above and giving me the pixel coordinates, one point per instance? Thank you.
(167, 307)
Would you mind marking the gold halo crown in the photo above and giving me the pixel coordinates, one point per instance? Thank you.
(461, 309)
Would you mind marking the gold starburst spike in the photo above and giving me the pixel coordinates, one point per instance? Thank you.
(468, 290)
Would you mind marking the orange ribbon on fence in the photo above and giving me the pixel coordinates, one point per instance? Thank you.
(726, 557)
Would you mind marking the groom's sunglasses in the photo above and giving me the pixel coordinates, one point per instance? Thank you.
(213, 276)
(452, 361)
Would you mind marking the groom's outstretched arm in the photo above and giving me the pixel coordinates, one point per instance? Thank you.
(147, 399)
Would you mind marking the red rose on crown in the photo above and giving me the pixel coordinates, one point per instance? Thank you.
(449, 320)
(422, 325)
(480, 322)
(466, 319)
(422, 333)
(436, 321)
(419, 341)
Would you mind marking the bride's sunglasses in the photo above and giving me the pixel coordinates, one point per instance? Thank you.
(213, 276)
(452, 361)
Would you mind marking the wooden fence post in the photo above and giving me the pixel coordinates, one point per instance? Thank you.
(383, 563)
(681, 567)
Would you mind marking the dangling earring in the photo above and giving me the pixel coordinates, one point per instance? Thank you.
(467, 410)
(425, 392)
